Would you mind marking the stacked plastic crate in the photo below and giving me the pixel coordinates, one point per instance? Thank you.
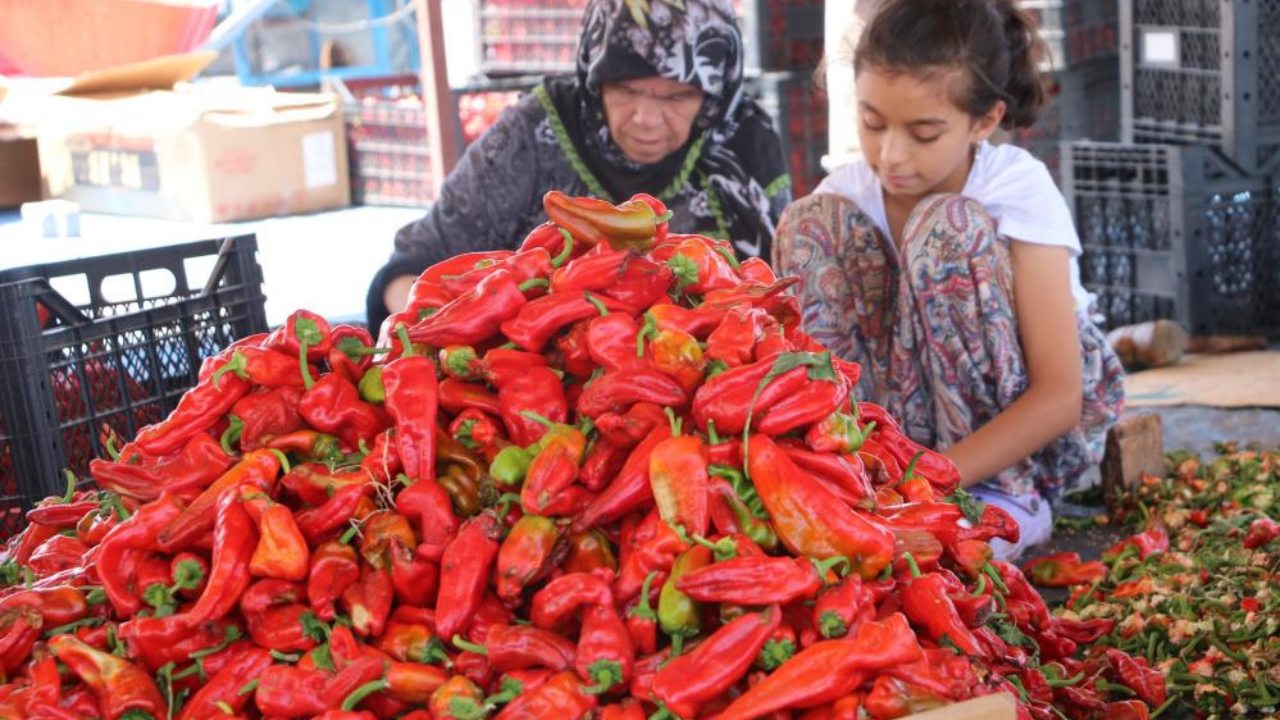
(1179, 220)
(1084, 76)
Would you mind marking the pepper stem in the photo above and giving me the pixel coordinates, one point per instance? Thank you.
(307, 380)
(664, 217)
(71, 486)
(911, 563)
(823, 566)
(563, 257)
(726, 548)
(237, 364)
(676, 423)
(597, 303)
(406, 345)
(910, 472)
(464, 644)
(648, 330)
(712, 436)
(235, 426)
(994, 574)
(643, 609)
(728, 256)
(605, 674)
(532, 283)
(540, 419)
(110, 445)
(284, 460)
(359, 694)
(981, 589)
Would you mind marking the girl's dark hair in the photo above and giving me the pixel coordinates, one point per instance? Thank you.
(994, 42)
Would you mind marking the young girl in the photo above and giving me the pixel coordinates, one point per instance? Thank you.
(946, 266)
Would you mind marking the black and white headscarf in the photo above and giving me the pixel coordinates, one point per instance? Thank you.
(734, 149)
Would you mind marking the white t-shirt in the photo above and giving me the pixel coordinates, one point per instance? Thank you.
(1014, 187)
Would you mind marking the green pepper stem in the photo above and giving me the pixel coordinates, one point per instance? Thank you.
(643, 609)
(648, 330)
(532, 283)
(464, 644)
(235, 426)
(994, 574)
(284, 460)
(71, 486)
(595, 301)
(564, 254)
(540, 419)
(712, 436)
(676, 423)
(110, 445)
(728, 256)
(822, 566)
(910, 472)
(359, 694)
(664, 217)
(406, 345)
(911, 563)
(307, 380)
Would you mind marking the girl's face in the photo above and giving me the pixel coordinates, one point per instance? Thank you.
(915, 139)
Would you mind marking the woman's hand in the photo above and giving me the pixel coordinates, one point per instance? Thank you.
(396, 296)
(1050, 342)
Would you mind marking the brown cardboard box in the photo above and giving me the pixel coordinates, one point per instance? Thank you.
(19, 167)
(135, 141)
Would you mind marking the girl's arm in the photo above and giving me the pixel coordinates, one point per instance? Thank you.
(1051, 349)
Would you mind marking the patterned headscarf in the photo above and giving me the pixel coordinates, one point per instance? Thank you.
(696, 42)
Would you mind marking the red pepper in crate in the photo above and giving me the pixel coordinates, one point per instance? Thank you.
(629, 225)
(474, 317)
(538, 391)
(265, 413)
(412, 400)
(333, 406)
(678, 478)
(691, 680)
(829, 669)
(518, 647)
(465, 568)
(809, 519)
(199, 410)
(526, 555)
(1064, 570)
(121, 686)
(555, 604)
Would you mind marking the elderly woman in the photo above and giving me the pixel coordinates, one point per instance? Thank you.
(655, 106)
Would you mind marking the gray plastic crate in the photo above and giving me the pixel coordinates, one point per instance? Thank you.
(1175, 232)
(1203, 72)
(1084, 105)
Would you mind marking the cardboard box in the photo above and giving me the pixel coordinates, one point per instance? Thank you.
(19, 167)
(137, 141)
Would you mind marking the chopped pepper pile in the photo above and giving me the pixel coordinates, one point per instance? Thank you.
(1195, 597)
(605, 475)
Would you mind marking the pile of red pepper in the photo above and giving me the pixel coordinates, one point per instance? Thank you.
(606, 475)
(1195, 596)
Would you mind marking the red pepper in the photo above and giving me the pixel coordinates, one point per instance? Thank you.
(199, 410)
(611, 341)
(733, 342)
(629, 490)
(563, 695)
(689, 681)
(538, 391)
(273, 611)
(288, 691)
(334, 568)
(120, 685)
(661, 214)
(758, 580)
(1063, 570)
(460, 264)
(526, 555)
(603, 462)
(614, 392)
(333, 406)
(678, 355)
(841, 609)
(698, 322)
(428, 505)
(642, 621)
(558, 600)
(234, 541)
(574, 353)
(475, 316)
(597, 269)
(526, 265)
(19, 630)
(464, 572)
(411, 389)
(381, 530)
(643, 284)
(320, 522)
(605, 653)
(351, 351)
(1151, 542)
(61, 514)
(56, 605)
(1261, 532)
(678, 479)
(629, 225)
(554, 468)
(368, 601)
(518, 647)
(223, 689)
(264, 366)
(539, 319)
(627, 430)
(263, 413)
(809, 519)
(698, 265)
(416, 579)
(1135, 673)
(841, 473)
(932, 466)
(281, 551)
(926, 602)
(829, 670)
(498, 365)
(137, 534)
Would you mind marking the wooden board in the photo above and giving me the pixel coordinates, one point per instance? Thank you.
(1000, 706)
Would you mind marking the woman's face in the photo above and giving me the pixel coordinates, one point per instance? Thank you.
(913, 136)
(650, 118)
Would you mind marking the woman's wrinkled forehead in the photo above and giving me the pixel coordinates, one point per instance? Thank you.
(695, 42)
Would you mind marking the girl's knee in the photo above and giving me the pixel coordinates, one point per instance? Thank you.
(817, 226)
(946, 226)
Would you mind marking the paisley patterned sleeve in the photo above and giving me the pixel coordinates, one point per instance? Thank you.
(486, 203)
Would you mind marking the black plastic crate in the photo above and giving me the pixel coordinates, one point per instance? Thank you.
(1203, 72)
(1084, 104)
(103, 346)
(799, 112)
(790, 34)
(1175, 232)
